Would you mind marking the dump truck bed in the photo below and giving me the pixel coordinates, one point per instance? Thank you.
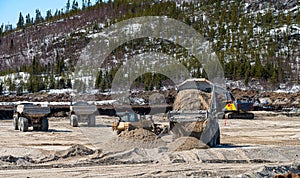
(84, 110)
(33, 110)
(187, 116)
(187, 123)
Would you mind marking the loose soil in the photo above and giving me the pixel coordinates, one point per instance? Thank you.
(265, 146)
(189, 100)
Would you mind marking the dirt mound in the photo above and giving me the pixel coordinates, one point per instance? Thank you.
(76, 150)
(278, 171)
(138, 135)
(7, 160)
(73, 151)
(288, 175)
(186, 143)
(239, 94)
(192, 129)
(189, 100)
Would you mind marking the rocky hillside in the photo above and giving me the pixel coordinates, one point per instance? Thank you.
(254, 40)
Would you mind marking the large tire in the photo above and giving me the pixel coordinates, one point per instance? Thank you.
(74, 120)
(211, 132)
(23, 124)
(15, 122)
(218, 137)
(36, 128)
(91, 121)
(45, 124)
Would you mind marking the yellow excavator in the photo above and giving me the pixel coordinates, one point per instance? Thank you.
(237, 108)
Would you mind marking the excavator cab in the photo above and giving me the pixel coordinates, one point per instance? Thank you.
(237, 109)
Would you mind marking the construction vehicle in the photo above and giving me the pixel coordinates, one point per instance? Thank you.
(131, 120)
(82, 112)
(237, 108)
(201, 124)
(30, 115)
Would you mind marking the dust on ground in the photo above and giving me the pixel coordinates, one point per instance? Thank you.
(249, 148)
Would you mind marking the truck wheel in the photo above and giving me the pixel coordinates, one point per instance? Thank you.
(74, 120)
(45, 124)
(215, 140)
(218, 140)
(15, 123)
(36, 128)
(92, 121)
(23, 124)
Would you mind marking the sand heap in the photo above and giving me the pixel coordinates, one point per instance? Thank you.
(189, 100)
(138, 135)
(76, 150)
(186, 143)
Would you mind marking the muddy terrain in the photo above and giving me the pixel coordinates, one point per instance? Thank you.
(265, 146)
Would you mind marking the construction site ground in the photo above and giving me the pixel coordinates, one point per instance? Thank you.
(265, 146)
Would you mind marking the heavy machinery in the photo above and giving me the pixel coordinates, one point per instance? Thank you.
(131, 120)
(198, 123)
(30, 115)
(83, 112)
(237, 108)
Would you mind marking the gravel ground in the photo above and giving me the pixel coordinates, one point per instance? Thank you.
(265, 146)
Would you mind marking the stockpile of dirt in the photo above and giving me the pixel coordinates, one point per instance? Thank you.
(193, 129)
(73, 151)
(279, 171)
(12, 160)
(288, 175)
(186, 143)
(189, 100)
(138, 135)
(239, 94)
(76, 150)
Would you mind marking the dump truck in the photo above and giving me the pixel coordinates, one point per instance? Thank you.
(237, 108)
(131, 120)
(30, 115)
(196, 111)
(83, 112)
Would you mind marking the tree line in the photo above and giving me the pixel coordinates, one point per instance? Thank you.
(244, 53)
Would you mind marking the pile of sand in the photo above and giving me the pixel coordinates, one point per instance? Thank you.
(192, 99)
(74, 151)
(186, 143)
(138, 135)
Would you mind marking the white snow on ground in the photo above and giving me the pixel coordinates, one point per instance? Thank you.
(294, 89)
(105, 102)
(60, 91)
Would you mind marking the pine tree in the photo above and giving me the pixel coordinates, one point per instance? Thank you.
(20, 23)
(1, 32)
(83, 5)
(20, 88)
(74, 6)
(89, 4)
(48, 15)
(1, 88)
(38, 16)
(28, 20)
(68, 7)
(69, 83)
